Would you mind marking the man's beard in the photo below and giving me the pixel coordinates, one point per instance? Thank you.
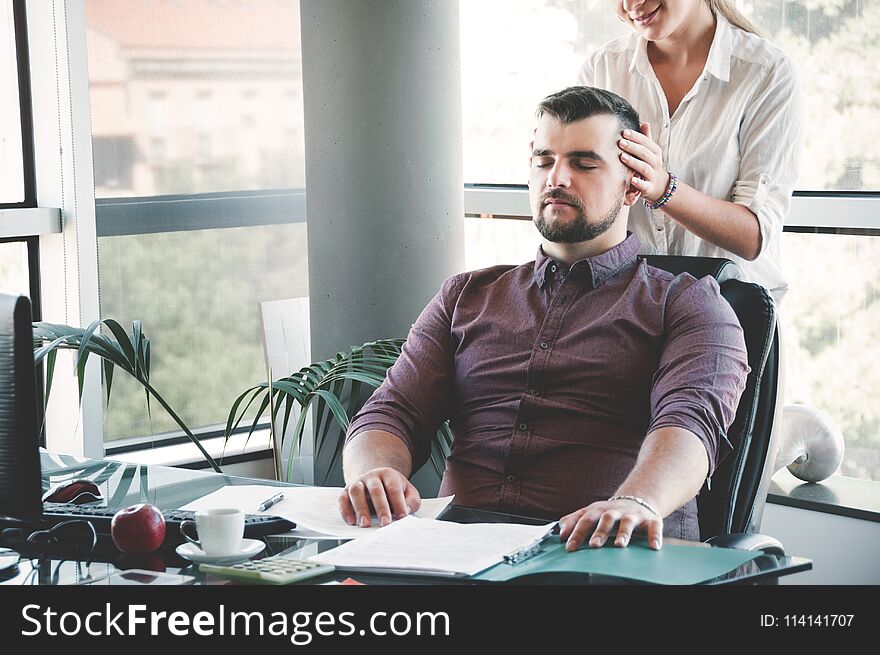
(580, 228)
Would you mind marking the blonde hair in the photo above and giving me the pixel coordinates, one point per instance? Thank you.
(727, 8)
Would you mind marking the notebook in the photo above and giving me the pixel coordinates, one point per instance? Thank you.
(500, 552)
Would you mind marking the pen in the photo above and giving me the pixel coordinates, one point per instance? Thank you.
(266, 504)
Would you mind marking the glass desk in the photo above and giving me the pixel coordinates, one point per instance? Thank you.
(170, 488)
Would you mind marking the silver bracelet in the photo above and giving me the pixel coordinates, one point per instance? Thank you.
(641, 501)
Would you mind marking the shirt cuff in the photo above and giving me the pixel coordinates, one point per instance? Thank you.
(697, 421)
(386, 424)
(753, 196)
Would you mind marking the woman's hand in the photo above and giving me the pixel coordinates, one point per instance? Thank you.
(645, 158)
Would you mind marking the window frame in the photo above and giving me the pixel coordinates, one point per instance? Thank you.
(26, 120)
(24, 221)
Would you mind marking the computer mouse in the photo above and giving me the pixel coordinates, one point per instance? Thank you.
(75, 491)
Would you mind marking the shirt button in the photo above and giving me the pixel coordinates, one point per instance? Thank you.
(544, 345)
(659, 228)
(533, 392)
(553, 268)
(511, 478)
(523, 426)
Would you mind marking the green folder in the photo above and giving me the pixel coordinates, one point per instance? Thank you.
(671, 565)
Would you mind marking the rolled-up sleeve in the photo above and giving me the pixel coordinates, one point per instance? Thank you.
(702, 370)
(415, 397)
(771, 140)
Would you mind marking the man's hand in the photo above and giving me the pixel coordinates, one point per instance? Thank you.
(386, 490)
(600, 519)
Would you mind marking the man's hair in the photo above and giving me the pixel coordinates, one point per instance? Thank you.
(579, 102)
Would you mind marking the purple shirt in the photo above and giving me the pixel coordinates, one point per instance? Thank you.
(552, 379)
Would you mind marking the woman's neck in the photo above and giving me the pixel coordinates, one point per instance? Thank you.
(689, 44)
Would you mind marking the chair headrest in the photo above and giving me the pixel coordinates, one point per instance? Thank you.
(718, 267)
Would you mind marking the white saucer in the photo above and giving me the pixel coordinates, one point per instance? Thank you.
(249, 548)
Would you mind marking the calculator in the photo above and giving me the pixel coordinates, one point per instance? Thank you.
(270, 570)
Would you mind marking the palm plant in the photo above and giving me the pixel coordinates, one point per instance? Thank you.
(131, 353)
(335, 387)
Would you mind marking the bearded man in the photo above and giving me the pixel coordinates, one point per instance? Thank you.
(585, 385)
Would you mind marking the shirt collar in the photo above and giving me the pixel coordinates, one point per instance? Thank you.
(717, 63)
(600, 268)
(640, 62)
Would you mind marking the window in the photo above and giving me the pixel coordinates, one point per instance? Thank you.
(14, 268)
(829, 324)
(14, 118)
(194, 232)
(510, 61)
(19, 248)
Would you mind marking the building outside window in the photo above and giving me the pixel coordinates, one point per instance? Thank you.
(185, 240)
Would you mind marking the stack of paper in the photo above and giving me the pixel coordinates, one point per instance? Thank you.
(413, 545)
(315, 510)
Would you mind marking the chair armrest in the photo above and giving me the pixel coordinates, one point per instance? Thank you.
(745, 541)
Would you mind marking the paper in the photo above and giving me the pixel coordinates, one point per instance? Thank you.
(315, 510)
(671, 564)
(417, 545)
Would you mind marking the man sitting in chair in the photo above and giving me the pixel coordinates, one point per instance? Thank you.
(585, 385)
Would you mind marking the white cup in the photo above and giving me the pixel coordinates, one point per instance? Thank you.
(220, 531)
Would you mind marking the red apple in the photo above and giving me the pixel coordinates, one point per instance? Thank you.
(138, 529)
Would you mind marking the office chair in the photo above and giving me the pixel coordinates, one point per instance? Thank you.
(731, 505)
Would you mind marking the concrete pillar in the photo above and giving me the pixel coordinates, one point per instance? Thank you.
(382, 94)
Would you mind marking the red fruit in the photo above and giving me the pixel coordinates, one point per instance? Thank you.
(138, 529)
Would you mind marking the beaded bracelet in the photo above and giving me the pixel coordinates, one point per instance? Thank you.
(662, 200)
(640, 501)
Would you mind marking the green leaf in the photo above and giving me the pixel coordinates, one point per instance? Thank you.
(122, 342)
(84, 342)
(230, 428)
(290, 390)
(81, 371)
(296, 435)
(335, 407)
(51, 347)
(50, 374)
(108, 378)
(136, 336)
(147, 358)
(263, 405)
(288, 408)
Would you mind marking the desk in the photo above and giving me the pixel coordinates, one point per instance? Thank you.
(170, 488)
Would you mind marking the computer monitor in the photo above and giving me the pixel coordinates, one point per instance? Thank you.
(20, 484)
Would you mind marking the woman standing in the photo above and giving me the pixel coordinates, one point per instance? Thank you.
(718, 152)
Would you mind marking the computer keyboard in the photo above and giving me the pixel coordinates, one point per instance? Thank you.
(255, 525)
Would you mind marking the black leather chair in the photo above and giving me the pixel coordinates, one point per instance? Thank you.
(731, 504)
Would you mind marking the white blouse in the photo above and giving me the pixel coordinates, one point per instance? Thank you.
(737, 135)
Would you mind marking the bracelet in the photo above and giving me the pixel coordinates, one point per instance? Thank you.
(662, 200)
(644, 503)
